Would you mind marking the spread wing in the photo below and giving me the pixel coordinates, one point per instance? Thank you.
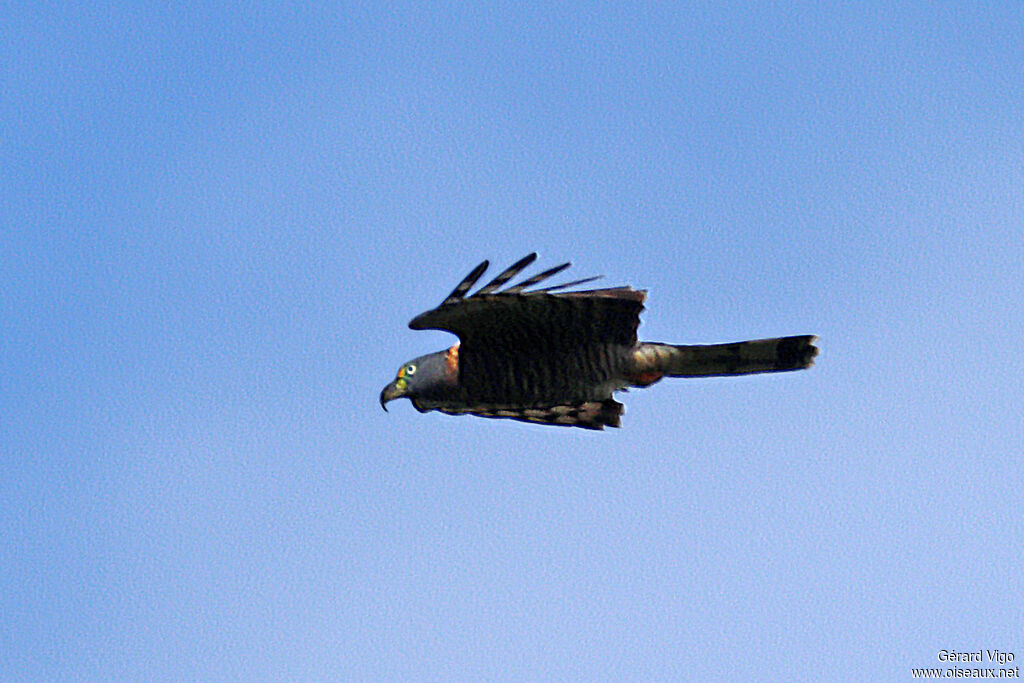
(535, 345)
(493, 317)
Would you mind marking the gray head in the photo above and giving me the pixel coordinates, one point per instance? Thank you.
(433, 376)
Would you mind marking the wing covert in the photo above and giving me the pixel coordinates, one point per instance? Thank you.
(506, 319)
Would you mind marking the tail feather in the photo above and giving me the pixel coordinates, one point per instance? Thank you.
(738, 358)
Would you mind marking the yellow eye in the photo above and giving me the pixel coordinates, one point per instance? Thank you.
(410, 369)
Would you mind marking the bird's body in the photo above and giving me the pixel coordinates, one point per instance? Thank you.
(554, 357)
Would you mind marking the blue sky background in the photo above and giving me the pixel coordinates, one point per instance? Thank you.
(216, 222)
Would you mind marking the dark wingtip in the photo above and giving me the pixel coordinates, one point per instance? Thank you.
(467, 282)
(507, 274)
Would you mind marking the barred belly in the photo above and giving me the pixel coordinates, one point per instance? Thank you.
(538, 378)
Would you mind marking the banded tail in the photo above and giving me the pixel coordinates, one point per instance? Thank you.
(652, 360)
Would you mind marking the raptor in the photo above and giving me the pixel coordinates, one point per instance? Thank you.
(550, 356)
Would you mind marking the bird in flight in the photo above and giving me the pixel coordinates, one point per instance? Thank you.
(555, 357)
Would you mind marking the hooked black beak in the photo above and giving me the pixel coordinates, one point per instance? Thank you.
(390, 393)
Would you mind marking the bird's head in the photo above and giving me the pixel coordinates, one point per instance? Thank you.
(430, 376)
